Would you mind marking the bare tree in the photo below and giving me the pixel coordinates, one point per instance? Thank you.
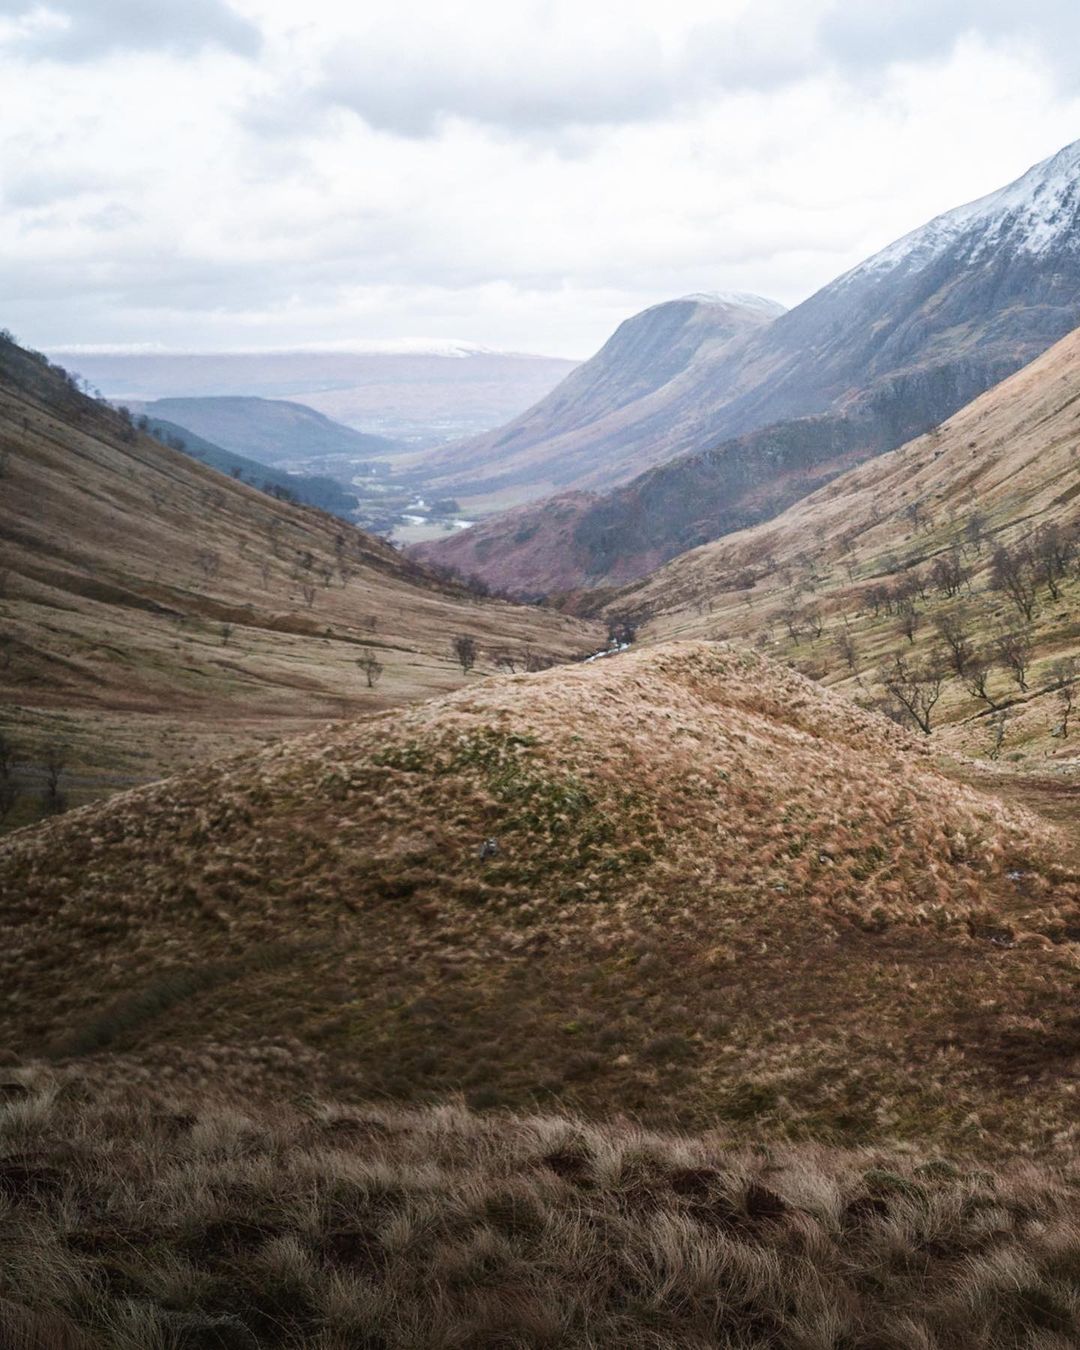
(998, 727)
(1013, 647)
(949, 573)
(309, 591)
(915, 689)
(792, 621)
(463, 648)
(910, 618)
(976, 678)
(844, 642)
(1011, 571)
(975, 530)
(54, 762)
(208, 562)
(226, 633)
(955, 632)
(8, 793)
(371, 667)
(1051, 552)
(504, 660)
(812, 617)
(1064, 677)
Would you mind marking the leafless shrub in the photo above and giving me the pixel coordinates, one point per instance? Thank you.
(464, 650)
(208, 561)
(1014, 648)
(1012, 571)
(370, 666)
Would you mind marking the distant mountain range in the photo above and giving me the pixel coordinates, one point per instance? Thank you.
(422, 396)
(311, 489)
(882, 354)
(271, 431)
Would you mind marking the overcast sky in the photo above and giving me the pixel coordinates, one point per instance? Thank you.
(239, 174)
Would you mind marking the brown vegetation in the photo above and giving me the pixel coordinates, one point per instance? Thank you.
(143, 1220)
(682, 882)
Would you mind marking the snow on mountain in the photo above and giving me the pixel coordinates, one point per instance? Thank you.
(1031, 215)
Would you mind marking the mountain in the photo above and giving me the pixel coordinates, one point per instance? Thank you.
(310, 489)
(972, 529)
(271, 431)
(684, 885)
(156, 612)
(423, 397)
(633, 387)
(880, 355)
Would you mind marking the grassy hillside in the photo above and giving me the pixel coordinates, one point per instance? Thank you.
(959, 552)
(154, 612)
(156, 1218)
(684, 883)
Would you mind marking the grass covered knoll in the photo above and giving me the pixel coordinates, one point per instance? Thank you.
(141, 1220)
(685, 883)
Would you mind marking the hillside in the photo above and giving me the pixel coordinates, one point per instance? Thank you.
(969, 535)
(272, 431)
(884, 353)
(578, 434)
(309, 489)
(154, 611)
(422, 397)
(684, 884)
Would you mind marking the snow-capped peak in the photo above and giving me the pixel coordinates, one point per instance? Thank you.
(1029, 215)
(737, 299)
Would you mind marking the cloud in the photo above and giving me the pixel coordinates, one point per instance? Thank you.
(84, 30)
(523, 179)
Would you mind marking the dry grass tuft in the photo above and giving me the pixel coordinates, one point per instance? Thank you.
(138, 1219)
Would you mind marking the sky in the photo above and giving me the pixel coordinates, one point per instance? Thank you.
(523, 174)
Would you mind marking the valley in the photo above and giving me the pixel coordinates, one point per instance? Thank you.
(503, 853)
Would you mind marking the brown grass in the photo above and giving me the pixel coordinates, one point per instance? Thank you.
(143, 1219)
(716, 891)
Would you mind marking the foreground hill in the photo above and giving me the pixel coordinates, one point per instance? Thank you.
(162, 1217)
(684, 883)
(272, 431)
(638, 380)
(883, 353)
(961, 551)
(154, 610)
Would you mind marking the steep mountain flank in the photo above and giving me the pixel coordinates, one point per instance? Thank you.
(972, 530)
(580, 433)
(154, 611)
(880, 355)
(683, 884)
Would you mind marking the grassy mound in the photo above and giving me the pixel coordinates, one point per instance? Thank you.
(141, 1222)
(685, 883)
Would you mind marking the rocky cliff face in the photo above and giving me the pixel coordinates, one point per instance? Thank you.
(880, 355)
